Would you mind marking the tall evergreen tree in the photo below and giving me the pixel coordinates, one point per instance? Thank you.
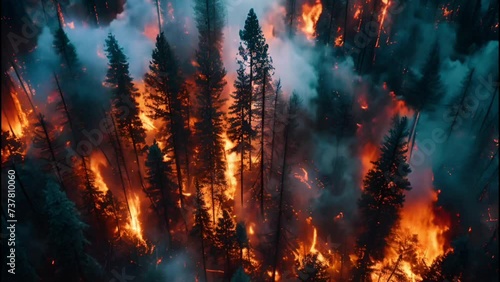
(261, 69)
(225, 240)
(160, 187)
(240, 131)
(64, 48)
(382, 198)
(290, 125)
(202, 227)
(459, 108)
(166, 102)
(425, 93)
(65, 235)
(210, 83)
(124, 93)
(125, 107)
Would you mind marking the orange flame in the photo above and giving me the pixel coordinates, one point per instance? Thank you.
(384, 13)
(303, 178)
(310, 15)
(96, 162)
(231, 169)
(134, 224)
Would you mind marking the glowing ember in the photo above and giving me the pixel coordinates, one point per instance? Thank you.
(382, 19)
(303, 178)
(70, 25)
(310, 15)
(339, 41)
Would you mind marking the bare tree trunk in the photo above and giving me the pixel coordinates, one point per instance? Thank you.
(278, 89)
(262, 157)
(280, 205)
(52, 152)
(460, 104)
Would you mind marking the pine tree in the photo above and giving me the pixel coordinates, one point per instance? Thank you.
(210, 83)
(459, 108)
(160, 187)
(291, 123)
(260, 65)
(64, 48)
(65, 236)
(311, 269)
(425, 93)
(124, 93)
(240, 131)
(382, 198)
(125, 107)
(225, 239)
(202, 227)
(166, 102)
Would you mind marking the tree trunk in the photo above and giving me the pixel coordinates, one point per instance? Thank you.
(262, 124)
(280, 206)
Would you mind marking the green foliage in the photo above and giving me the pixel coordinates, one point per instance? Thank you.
(65, 236)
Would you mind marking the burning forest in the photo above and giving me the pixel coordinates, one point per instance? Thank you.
(286, 140)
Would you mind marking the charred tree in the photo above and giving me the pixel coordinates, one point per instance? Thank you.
(210, 82)
(288, 134)
(382, 198)
(166, 102)
(240, 131)
(202, 228)
(161, 188)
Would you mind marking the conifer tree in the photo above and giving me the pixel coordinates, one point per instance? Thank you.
(290, 125)
(426, 92)
(459, 108)
(261, 69)
(240, 131)
(382, 198)
(65, 235)
(166, 102)
(202, 227)
(125, 108)
(124, 93)
(160, 187)
(225, 240)
(210, 83)
(64, 48)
